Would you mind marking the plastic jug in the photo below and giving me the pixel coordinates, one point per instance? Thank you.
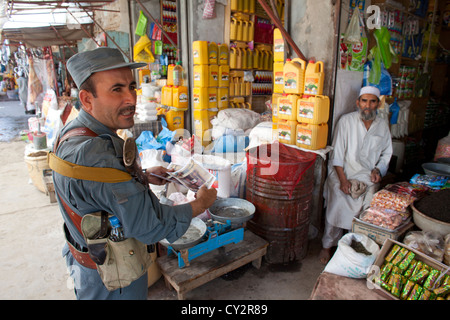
(222, 98)
(287, 107)
(201, 123)
(234, 4)
(200, 52)
(180, 97)
(175, 119)
(200, 98)
(278, 78)
(170, 74)
(275, 98)
(278, 46)
(177, 74)
(294, 76)
(201, 75)
(313, 109)
(251, 31)
(167, 96)
(314, 77)
(212, 98)
(312, 136)
(212, 53)
(233, 29)
(245, 30)
(246, 6)
(239, 30)
(224, 76)
(266, 60)
(256, 55)
(233, 58)
(223, 54)
(231, 89)
(239, 58)
(248, 88)
(286, 131)
(251, 6)
(213, 75)
(249, 59)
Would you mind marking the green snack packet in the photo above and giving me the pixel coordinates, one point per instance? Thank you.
(407, 289)
(431, 279)
(399, 257)
(396, 284)
(442, 291)
(415, 292)
(410, 269)
(395, 249)
(426, 295)
(386, 271)
(418, 267)
(403, 265)
(420, 276)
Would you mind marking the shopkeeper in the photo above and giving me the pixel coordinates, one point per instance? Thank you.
(108, 97)
(362, 149)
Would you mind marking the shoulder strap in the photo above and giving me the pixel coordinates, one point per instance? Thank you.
(69, 169)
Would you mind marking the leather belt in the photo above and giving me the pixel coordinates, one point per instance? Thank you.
(81, 255)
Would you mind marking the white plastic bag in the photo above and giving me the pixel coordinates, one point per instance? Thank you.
(349, 263)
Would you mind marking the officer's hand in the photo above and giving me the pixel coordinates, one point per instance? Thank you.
(204, 199)
(156, 175)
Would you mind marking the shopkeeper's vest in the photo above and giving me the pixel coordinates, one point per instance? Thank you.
(112, 260)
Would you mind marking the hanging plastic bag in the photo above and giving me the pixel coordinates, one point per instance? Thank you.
(394, 109)
(385, 80)
(141, 26)
(353, 31)
(208, 11)
(143, 50)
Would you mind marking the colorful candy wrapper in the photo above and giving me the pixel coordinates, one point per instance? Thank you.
(415, 293)
(386, 271)
(410, 269)
(417, 268)
(395, 249)
(427, 295)
(420, 276)
(406, 261)
(399, 257)
(442, 291)
(396, 284)
(407, 289)
(431, 279)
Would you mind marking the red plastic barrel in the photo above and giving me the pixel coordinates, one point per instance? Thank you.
(280, 181)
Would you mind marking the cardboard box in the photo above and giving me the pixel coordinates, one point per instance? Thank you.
(375, 269)
(377, 233)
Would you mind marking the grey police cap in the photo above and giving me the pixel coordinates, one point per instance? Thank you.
(82, 65)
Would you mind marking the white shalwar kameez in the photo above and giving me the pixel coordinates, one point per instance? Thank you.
(358, 151)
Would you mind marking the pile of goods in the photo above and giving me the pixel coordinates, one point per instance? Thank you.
(408, 278)
(436, 205)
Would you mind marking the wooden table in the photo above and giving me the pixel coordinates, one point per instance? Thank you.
(212, 264)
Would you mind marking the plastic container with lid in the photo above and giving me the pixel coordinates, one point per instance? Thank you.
(313, 109)
(200, 52)
(287, 107)
(224, 76)
(201, 75)
(222, 98)
(213, 75)
(212, 53)
(200, 98)
(212, 98)
(311, 136)
(167, 96)
(278, 77)
(177, 74)
(278, 46)
(294, 76)
(314, 78)
(286, 131)
(180, 97)
(223, 54)
(175, 119)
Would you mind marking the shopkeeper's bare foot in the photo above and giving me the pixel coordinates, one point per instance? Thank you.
(325, 255)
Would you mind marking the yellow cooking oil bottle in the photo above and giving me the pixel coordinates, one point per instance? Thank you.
(212, 53)
(200, 98)
(312, 136)
(224, 76)
(223, 53)
(286, 131)
(275, 97)
(201, 123)
(213, 75)
(200, 52)
(170, 74)
(314, 77)
(294, 75)
(167, 96)
(222, 98)
(175, 119)
(180, 97)
(201, 75)
(212, 98)
(278, 77)
(287, 107)
(313, 109)
(278, 46)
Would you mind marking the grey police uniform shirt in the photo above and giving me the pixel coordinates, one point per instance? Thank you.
(137, 208)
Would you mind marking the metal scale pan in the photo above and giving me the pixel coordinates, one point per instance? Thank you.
(190, 238)
(235, 210)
